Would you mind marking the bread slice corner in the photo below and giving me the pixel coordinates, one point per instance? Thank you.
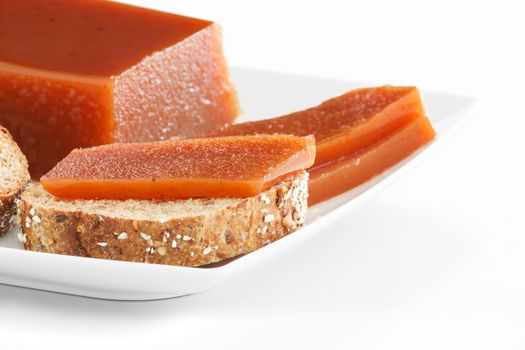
(190, 232)
(14, 176)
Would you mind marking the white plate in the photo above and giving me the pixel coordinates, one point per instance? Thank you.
(262, 94)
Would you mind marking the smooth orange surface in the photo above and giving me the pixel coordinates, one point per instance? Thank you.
(241, 166)
(336, 177)
(344, 124)
(79, 73)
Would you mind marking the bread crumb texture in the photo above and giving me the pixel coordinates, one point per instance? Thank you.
(190, 232)
(14, 176)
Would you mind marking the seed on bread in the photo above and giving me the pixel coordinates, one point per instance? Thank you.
(36, 219)
(265, 198)
(162, 251)
(145, 236)
(22, 237)
(268, 218)
(122, 235)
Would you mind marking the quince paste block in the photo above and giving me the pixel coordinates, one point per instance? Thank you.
(84, 73)
(238, 166)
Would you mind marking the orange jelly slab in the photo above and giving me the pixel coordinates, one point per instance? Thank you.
(333, 178)
(344, 124)
(79, 73)
(241, 166)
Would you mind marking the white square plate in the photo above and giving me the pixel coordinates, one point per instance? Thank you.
(262, 95)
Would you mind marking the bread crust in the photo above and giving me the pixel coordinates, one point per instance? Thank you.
(191, 241)
(7, 211)
(9, 200)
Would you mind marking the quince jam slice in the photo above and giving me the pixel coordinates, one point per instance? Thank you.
(343, 174)
(238, 166)
(344, 124)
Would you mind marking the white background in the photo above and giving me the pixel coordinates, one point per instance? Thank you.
(436, 261)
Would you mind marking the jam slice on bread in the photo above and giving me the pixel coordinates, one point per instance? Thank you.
(237, 166)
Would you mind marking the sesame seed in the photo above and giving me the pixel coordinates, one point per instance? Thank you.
(186, 238)
(32, 211)
(206, 251)
(265, 198)
(102, 244)
(192, 254)
(145, 236)
(178, 236)
(123, 235)
(268, 218)
(174, 244)
(162, 251)
(22, 237)
(36, 219)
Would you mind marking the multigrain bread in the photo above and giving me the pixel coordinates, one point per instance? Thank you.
(14, 176)
(183, 232)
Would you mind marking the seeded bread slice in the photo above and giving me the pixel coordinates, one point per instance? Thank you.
(13, 178)
(183, 232)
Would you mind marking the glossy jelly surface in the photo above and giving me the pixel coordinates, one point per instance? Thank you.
(81, 73)
(100, 38)
(344, 124)
(336, 177)
(217, 167)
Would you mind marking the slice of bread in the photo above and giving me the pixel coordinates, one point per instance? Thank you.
(14, 176)
(190, 232)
